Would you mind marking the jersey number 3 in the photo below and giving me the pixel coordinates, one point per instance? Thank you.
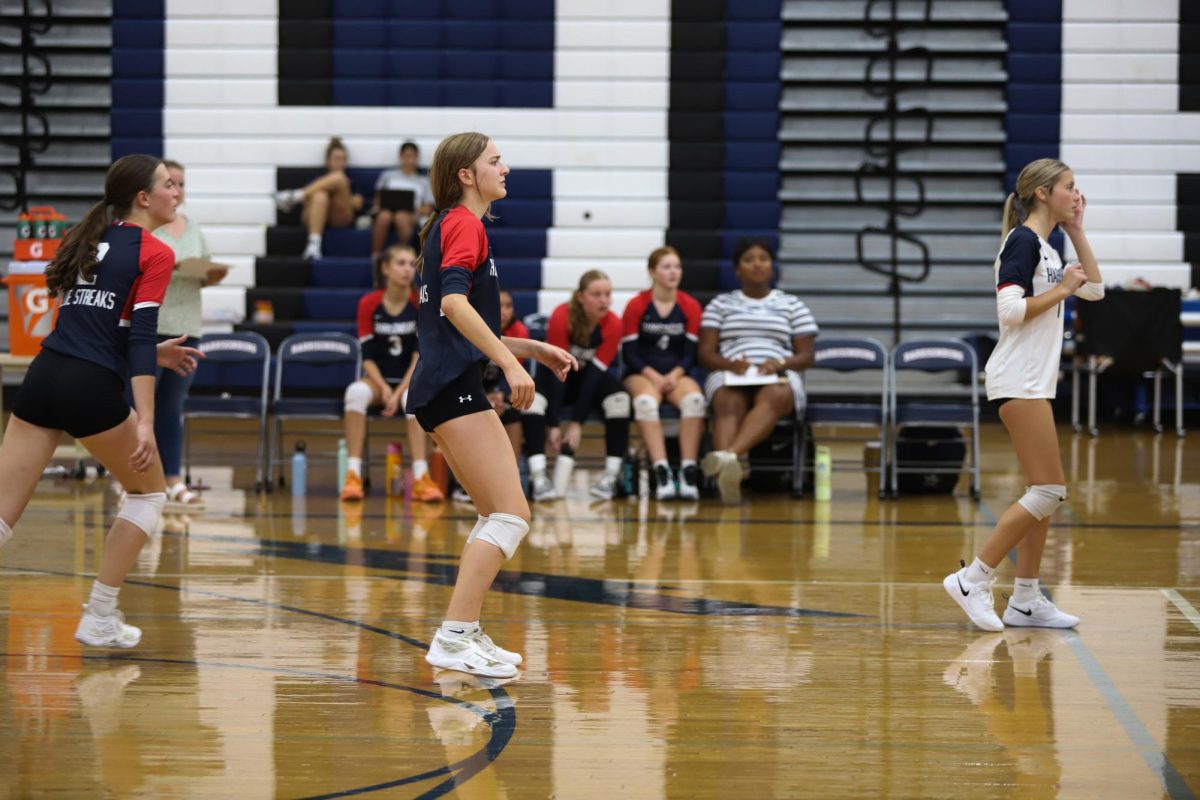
(395, 346)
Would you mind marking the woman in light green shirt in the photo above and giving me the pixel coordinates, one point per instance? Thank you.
(179, 315)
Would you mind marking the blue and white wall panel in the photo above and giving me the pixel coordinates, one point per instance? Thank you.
(1124, 134)
(604, 140)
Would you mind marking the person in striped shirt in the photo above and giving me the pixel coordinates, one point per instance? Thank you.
(755, 341)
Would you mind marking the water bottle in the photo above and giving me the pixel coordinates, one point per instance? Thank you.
(24, 227)
(299, 471)
(341, 464)
(628, 484)
(823, 467)
(394, 470)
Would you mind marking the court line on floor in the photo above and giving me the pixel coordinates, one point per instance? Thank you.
(700, 520)
(1155, 757)
(1186, 608)
(503, 726)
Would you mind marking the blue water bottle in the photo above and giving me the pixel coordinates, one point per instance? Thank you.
(299, 471)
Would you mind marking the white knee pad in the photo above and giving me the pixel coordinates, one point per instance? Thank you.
(479, 523)
(616, 405)
(645, 408)
(504, 531)
(539, 405)
(692, 406)
(143, 510)
(5, 532)
(1040, 501)
(358, 397)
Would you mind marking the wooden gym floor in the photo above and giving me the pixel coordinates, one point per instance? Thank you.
(777, 649)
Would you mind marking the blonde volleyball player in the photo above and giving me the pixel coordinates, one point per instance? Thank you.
(1022, 374)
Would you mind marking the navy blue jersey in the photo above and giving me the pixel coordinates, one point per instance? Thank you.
(390, 340)
(661, 343)
(112, 320)
(457, 260)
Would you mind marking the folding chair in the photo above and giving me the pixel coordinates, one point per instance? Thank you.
(933, 356)
(312, 371)
(231, 382)
(846, 355)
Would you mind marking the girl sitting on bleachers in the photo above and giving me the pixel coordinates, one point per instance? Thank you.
(661, 328)
(327, 201)
(387, 328)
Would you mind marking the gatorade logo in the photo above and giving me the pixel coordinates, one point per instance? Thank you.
(36, 307)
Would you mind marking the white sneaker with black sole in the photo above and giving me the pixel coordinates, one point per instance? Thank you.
(974, 598)
(1041, 613)
(464, 654)
(97, 631)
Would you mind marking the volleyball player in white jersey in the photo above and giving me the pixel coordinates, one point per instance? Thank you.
(1022, 375)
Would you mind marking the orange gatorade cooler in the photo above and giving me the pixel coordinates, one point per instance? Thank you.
(31, 312)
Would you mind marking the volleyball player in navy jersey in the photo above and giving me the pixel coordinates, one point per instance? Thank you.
(111, 274)
(387, 328)
(459, 330)
(660, 329)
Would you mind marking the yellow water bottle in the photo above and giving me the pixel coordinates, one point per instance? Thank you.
(823, 466)
(394, 470)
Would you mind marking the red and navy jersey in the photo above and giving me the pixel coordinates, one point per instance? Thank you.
(390, 340)
(594, 360)
(112, 320)
(601, 351)
(662, 343)
(516, 329)
(457, 260)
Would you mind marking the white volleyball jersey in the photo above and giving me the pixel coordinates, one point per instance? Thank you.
(1026, 360)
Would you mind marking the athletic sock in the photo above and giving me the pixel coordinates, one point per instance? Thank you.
(453, 629)
(1025, 590)
(979, 572)
(612, 464)
(687, 462)
(537, 465)
(662, 462)
(420, 469)
(104, 599)
(354, 465)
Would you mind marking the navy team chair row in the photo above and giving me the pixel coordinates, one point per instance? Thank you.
(951, 409)
(233, 381)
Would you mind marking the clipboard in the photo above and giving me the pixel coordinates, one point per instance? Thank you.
(197, 268)
(398, 200)
(751, 377)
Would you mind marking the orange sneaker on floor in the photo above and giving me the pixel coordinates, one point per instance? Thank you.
(426, 491)
(353, 490)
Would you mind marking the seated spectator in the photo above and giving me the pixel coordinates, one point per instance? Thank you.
(592, 333)
(387, 328)
(756, 342)
(661, 327)
(406, 178)
(327, 200)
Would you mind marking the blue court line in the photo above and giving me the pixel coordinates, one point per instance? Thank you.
(1156, 759)
(285, 515)
(503, 722)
